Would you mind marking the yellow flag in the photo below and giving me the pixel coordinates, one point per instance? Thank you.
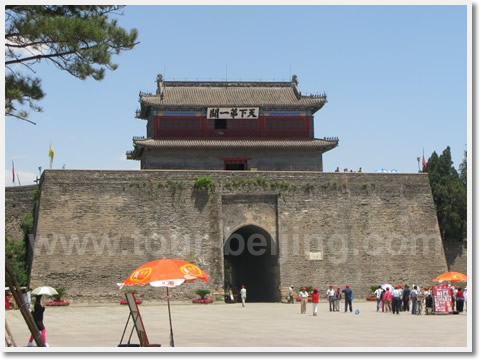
(51, 155)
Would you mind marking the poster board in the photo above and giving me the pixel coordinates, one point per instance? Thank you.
(442, 299)
(137, 318)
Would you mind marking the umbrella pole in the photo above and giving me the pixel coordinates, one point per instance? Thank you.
(170, 319)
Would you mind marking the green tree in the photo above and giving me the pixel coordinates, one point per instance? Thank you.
(78, 39)
(463, 170)
(16, 255)
(449, 195)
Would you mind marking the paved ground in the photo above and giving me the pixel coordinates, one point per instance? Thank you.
(256, 325)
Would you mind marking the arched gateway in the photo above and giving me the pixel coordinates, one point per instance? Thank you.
(251, 259)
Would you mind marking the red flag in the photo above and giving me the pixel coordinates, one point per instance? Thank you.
(424, 163)
(13, 172)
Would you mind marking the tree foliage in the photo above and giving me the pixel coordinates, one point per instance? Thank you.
(449, 195)
(78, 39)
(16, 254)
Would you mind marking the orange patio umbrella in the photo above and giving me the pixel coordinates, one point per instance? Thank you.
(451, 276)
(165, 273)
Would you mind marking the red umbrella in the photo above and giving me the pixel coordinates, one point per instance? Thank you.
(167, 273)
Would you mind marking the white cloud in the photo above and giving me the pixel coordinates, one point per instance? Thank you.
(26, 178)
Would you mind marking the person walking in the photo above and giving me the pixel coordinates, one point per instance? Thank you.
(348, 297)
(397, 298)
(315, 298)
(378, 295)
(331, 297)
(38, 310)
(406, 298)
(387, 298)
(413, 297)
(338, 297)
(243, 295)
(290, 295)
(303, 300)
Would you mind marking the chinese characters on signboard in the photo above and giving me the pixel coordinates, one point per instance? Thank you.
(442, 295)
(233, 113)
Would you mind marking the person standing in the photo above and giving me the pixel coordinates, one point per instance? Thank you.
(243, 295)
(38, 311)
(387, 298)
(406, 298)
(460, 300)
(378, 295)
(290, 295)
(331, 298)
(465, 298)
(396, 295)
(28, 298)
(413, 296)
(338, 297)
(348, 297)
(315, 298)
(303, 300)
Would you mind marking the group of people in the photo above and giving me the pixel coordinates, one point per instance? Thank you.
(399, 299)
(346, 170)
(334, 297)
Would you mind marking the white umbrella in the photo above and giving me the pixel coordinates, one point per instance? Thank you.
(44, 290)
(384, 286)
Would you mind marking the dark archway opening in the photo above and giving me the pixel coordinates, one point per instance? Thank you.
(251, 259)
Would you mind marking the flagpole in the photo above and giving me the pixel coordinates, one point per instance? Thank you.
(170, 319)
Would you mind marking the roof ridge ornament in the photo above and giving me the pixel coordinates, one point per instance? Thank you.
(160, 87)
(294, 86)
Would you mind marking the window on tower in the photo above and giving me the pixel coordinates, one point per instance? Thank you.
(220, 123)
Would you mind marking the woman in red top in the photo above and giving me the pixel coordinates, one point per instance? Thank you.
(387, 298)
(315, 297)
(460, 300)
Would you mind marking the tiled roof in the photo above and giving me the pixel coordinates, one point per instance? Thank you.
(205, 94)
(215, 144)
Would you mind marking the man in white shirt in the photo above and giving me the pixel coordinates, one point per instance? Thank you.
(290, 295)
(243, 295)
(378, 294)
(331, 297)
(397, 299)
(304, 298)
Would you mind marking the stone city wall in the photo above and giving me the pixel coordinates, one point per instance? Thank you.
(95, 227)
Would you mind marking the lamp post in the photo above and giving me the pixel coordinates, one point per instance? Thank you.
(418, 161)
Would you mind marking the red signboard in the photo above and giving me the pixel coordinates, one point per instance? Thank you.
(442, 297)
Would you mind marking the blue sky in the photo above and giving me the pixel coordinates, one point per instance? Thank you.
(395, 78)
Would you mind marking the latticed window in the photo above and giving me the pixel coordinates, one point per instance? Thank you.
(285, 124)
(179, 124)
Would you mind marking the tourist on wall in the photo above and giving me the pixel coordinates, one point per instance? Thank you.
(406, 298)
(397, 296)
(387, 298)
(303, 300)
(243, 295)
(338, 297)
(331, 298)
(38, 310)
(460, 300)
(348, 297)
(379, 295)
(315, 298)
(413, 297)
(290, 294)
